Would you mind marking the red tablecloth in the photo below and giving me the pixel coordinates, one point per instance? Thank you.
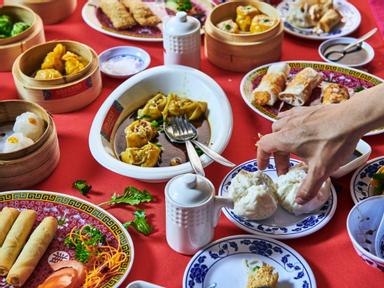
(329, 251)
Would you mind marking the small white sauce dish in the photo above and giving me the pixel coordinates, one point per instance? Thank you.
(362, 224)
(121, 62)
(346, 40)
(142, 284)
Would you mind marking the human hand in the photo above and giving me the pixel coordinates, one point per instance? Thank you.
(318, 135)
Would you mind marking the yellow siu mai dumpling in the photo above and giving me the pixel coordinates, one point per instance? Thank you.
(73, 63)
(139, 133)
(244, 15)
(146, 156)
(178, 106)
(153, 108)
(261, 23)
(53, 59)
(47, 74)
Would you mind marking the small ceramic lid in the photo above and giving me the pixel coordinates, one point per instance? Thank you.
(189, 190)
(181, 24)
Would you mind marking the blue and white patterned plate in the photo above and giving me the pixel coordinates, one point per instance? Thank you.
(221, 264)
(360, 180)
(282, 224)
(350, 22)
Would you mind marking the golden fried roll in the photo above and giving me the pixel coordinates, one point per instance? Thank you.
(117, 13)
(329, 20)
(32, 252)
(299, 89)
(141, 12)
(139, 133)
(7, 217)
(334, 93)
(146, 156)
(16, 239)
(271, 85)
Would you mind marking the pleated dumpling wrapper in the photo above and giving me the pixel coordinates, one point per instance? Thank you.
(288, 186)
(8, 216)
(139, 133)
(15, 142)
(32, 252)
(254, 195)
(153, 108)
(146, 156)
(30, 125)
(178, 106)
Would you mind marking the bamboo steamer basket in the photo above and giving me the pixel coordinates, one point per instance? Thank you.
(29, 166)
(54, 96)
(51, 11)
(242, 52)
(11, 48)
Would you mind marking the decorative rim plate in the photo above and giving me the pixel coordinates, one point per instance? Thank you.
(70, 211)
(360, 180)
(281, 225)
(355, 80)
(221, 264)
(93, 17)
(351, 21)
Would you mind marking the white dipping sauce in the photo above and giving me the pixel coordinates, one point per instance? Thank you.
(123, 65)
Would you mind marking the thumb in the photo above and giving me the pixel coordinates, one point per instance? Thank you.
(309, 188)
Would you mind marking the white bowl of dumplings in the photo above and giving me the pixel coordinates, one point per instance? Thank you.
(134, 93)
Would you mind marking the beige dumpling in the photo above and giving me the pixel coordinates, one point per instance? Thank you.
(228, 26)
(139, 133)
(146, 156)
(47, 74)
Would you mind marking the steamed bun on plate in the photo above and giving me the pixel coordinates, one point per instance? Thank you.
(29, 124)
(288, 186)
(16, 142)
(254, 195)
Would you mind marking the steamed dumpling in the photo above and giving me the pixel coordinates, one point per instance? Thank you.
(152, 110)
(139, 133)
(29, 124)
(178, 106)
(288, 186)
(16, 142)
(146, 156)
(254, 195)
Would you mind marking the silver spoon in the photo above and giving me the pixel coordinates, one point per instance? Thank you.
(346, 49)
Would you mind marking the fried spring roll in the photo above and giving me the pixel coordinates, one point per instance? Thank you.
(32, 252)
(117, 13)
(141, 12)
(271, 85)
(334, 93)
(16, 239)
(329, 20)
(7, 217)
(300, 88)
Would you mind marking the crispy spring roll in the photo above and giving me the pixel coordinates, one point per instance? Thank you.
(334, 93)
(7, 217)
(117, 13)
(16, 239)
(271, 85)
(141, 12)
(329, 20)
(300, 88)
(32, 252)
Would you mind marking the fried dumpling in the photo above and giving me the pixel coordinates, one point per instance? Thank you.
(146, 156)
(73, 63)
(139, 133)
(53, 59)
(152, 110)
(47, 74)
(177, 106)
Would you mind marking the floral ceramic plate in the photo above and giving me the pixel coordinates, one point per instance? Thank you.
(95, 18)
(222, 264)
(360, 188)
(281, 225)
(70, 212)
(350, 22)
(353, 79)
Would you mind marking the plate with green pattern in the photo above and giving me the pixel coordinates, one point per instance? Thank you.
(70, 212)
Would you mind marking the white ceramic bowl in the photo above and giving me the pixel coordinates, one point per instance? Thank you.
(362, 223)
(346, 40)
(134, 92)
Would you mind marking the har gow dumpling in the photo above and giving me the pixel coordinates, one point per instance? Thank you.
(288, 186)
(30, 125)
(16, 141)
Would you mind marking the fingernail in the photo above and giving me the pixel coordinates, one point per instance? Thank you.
(259, 135)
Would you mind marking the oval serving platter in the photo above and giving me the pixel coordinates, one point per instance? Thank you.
(221, 264)
(360, 188)
(353, 79)
(350, 22)
(70, 212)
(281, 225)
(96, 19)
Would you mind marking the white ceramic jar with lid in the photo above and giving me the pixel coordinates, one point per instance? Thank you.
(181, 40)
(192, 212)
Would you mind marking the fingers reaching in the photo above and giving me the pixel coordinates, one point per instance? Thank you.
(267, 145)
(309, 188)
(282, 162)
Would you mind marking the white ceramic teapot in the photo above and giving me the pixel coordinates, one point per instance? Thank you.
(192, 212)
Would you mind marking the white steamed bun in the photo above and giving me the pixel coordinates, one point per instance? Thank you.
(253, 194)
(29, 124)
(16, 142)
(288, 186)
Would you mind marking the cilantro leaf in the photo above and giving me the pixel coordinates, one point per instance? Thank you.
(140, 223)
(131, 196)
(82, 186)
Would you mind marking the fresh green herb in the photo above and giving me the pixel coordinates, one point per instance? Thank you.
(154, 123)
(143, 116)
(255, 268)
(266, 20)
(82, 186)
(359, 89)
(140, 223)
(227, 26)
(131, 196)
(199, 151)
(158, 145)
(378, 176)
(183, 5)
